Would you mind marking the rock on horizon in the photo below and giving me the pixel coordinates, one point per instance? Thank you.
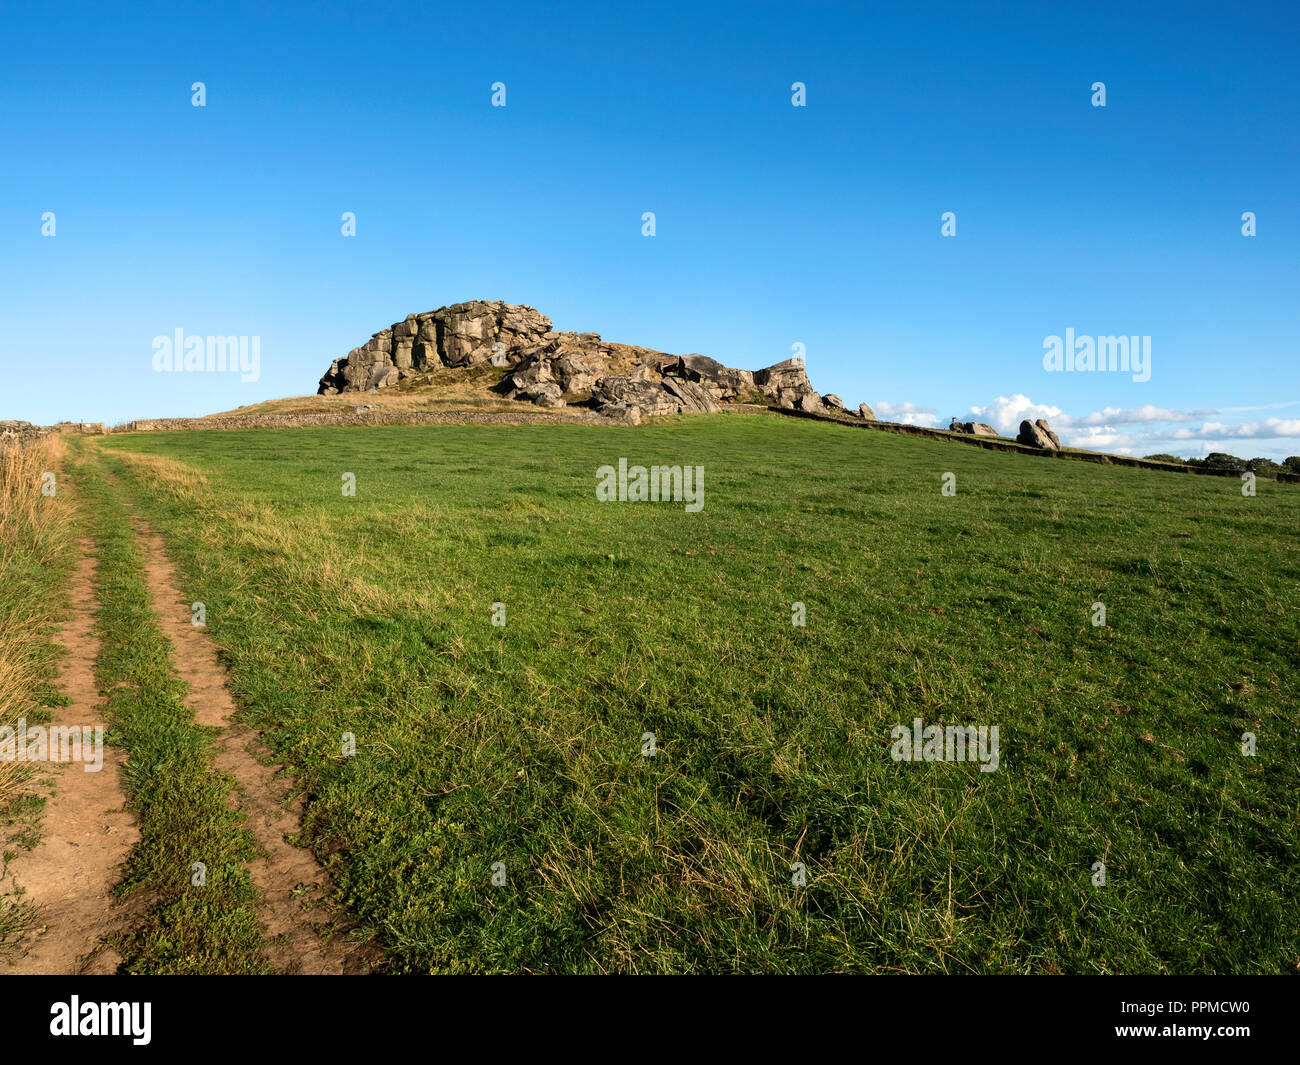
(550, 369)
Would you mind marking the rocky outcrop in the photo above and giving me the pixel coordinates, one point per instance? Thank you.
(551, 369)
(464, 334)
(1038, 434)
(974, 428)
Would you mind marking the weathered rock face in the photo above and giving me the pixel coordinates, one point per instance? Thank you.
(551, 368)
(619, 391)
(463, 334)
(786, 382)
(974, 428)
(720, 381)
(1038, 434)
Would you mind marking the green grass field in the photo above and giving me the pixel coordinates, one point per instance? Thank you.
(522, 744)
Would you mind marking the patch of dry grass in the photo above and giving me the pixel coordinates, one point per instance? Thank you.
(25, 515)
(300, 545)
(35, 552)
(34, 539)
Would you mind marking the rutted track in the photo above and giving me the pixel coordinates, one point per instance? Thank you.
(306, 933)
(201, 791)
(88, 833)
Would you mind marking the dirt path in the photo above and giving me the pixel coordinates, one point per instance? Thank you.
(88, 832)
(306, 932)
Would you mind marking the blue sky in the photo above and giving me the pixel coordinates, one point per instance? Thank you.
(775, 224)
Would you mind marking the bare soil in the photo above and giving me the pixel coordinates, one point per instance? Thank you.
(88, 833)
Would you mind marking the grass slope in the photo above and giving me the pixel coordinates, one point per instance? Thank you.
(522, 744)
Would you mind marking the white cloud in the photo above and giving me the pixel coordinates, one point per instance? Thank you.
(1101, 438)
(1138, 416)
(907, 413)
(1262, 406)
(1268, 429)
(1006, 413)
(1149, 430)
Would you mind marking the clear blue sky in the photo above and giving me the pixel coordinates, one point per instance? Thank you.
(775, 224)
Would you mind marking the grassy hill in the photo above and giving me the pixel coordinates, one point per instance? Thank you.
(522, 744)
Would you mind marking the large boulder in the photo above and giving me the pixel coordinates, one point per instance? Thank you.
(866, 413)
(535, 383)
(623, 415)
(575, 373)
(621, 391)
(693, 396)
(1037, 434)
(973, 428)
(537, 372)
(664, 396)
(547, 395)
(784, 381)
